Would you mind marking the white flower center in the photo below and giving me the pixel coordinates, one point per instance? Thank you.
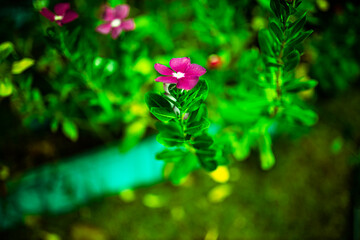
(178, 75)
(58, 18)
(115, 22)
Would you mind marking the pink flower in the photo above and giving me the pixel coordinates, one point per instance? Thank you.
(115, 21)
(63, 14)
(182, 73)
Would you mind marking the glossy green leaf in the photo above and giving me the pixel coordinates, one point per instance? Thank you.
(299, 38)
(275, 29)
(202, 141)
(199, 91)
(163, 114)
(169, 140)
(292, 60)
(197, 127)
(156, 100)
(298, 25)
(194, 105)
(173, 155)
(198, 114)
(275, 7)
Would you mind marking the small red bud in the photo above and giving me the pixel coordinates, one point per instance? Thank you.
(214, 61)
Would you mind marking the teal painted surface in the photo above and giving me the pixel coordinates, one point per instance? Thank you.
(64, 186)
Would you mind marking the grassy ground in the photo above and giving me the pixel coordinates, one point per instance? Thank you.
(306, 196)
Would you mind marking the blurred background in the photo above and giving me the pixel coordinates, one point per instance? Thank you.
(77, 142)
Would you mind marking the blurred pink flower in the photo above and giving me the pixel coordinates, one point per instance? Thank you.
(184, 74)
(63, 14)
(115, 21)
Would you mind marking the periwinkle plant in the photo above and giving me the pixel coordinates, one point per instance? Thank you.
(183, 119)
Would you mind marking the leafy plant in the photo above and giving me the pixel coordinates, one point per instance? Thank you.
(267, 94)
(183, 120)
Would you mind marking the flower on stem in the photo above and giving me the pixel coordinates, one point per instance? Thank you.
(115, 21)
(63, 14)
(182, 73)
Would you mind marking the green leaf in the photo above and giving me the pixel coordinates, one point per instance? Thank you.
(297, 4)
(169, 128)
(183, 168)
(194, 105)
(199, 91)
(175, 155)
(266, 155)
(70, 130)
(266, 42)
(156, 100)
(209, 165)
(6, 87)
(163, 114)
(275, 7)
(198, 114)
(197, 127)
(275, 29)
(6, 48)
(298, 25)
(54, 125)
(206, 153)
(169, 140)
(305, 116)
(20, 66)
(297, 85)
(110, 67)
(292, 60)
(299, 38)
(202, 141)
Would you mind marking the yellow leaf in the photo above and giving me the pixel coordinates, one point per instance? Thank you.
(20, 66)
(6, 87)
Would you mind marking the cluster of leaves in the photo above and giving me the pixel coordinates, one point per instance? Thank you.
(77, 82)
(266, 96)
(9, 66)
(183, 130)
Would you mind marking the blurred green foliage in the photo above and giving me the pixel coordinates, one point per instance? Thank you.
(73, 79)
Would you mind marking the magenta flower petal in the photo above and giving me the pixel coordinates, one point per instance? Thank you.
(180, 64)
(61, 8)
(166, 79)
(69, 16)
(122, 11)
(195, 70)
(115, 32)
(104, 28)
(48, 14)
(128, 24)
(187, 83)
(164, 70)
(109, 14)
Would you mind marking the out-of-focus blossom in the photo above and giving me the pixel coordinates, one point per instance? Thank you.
(63, 14)
(115, 21)
(182, 73)
(214, 61)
